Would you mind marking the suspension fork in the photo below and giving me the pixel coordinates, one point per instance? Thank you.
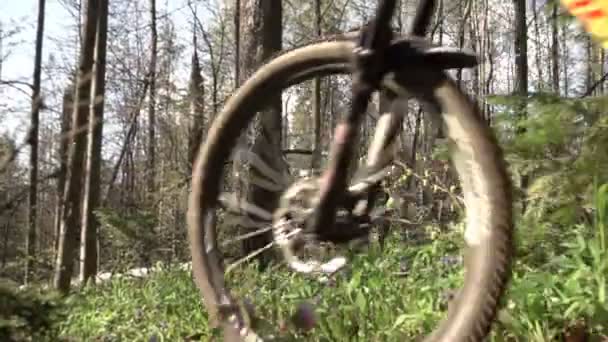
(369, 70)
(382, 149)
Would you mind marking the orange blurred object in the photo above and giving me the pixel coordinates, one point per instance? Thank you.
(593, 14)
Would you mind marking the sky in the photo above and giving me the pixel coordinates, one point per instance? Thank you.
(20, 61)
(19, 64)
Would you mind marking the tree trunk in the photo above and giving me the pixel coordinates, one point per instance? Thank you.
(332, 109)
(197, 98)
(489, 73)
(600, 63)
(68, 107)
(521, 70)
(239, 62)
(261, 34)
(475, 46)
(595, 70)
(490, 79)
(124, 151)
(88, 238)
(521, 48)
(555, 48)
(485, 54)
(589, 79)
(5, 241)
(316, 102)
(70, 218)
(237, 43)
(151, 167)
(539, 64)
(465, 14)
(32, 225)
(1, 47)
(565, 55)
(440, 18)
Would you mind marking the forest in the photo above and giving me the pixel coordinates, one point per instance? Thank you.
(105, 106)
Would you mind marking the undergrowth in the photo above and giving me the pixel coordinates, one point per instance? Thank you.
(368, 303)
(393, 295)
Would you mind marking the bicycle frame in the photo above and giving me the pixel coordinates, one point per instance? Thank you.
(369, 70)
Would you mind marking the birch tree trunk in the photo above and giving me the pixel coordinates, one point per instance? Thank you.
(32, 226)
(70, 218)
(92, 191)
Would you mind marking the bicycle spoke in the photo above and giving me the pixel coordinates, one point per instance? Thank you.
(362, 185)
(231, 202)
(379, 212)
(246, 236)
(272, 175)
(251, 255)
(400, 220)
(234, 219)
(238, 238)
(264, 183)
(248, 257)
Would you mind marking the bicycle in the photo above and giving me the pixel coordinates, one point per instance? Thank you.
(328, 208)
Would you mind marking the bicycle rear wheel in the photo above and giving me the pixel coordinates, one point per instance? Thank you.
(474, 153)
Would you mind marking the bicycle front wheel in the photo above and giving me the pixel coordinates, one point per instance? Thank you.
(475, 155)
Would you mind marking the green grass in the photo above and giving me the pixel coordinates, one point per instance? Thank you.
(556, 282)
(166, 305)
(368, 303)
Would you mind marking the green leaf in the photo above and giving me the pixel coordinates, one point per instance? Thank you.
(361, 302)
(390, 203)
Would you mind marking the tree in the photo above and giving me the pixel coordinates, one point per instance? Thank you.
(521, 48)
(464, 10)
(197, 105)
(2, 46)
(62, 155)
(151, 167)
(521, 68)
(316, 100)
(555, 47)
(237, 41)
(261, 36)
(71, 213)
(33, 140)
(88, 252)
(539, 65)
(215, 45)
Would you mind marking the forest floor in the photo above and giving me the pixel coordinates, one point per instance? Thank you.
(558, 288)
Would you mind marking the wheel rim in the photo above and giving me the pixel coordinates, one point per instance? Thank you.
(486, 218)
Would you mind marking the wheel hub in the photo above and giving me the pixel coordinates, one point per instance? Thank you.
(292, 232)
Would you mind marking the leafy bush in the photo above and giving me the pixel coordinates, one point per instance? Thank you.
(570, 286)
(560, 144)
(28, 315)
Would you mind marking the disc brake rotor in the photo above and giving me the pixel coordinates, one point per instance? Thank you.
(289, 228)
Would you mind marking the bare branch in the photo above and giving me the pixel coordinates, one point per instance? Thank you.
(12, 154)
(595, 85)
(14, 85)
(21, 195)
(15, 82)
